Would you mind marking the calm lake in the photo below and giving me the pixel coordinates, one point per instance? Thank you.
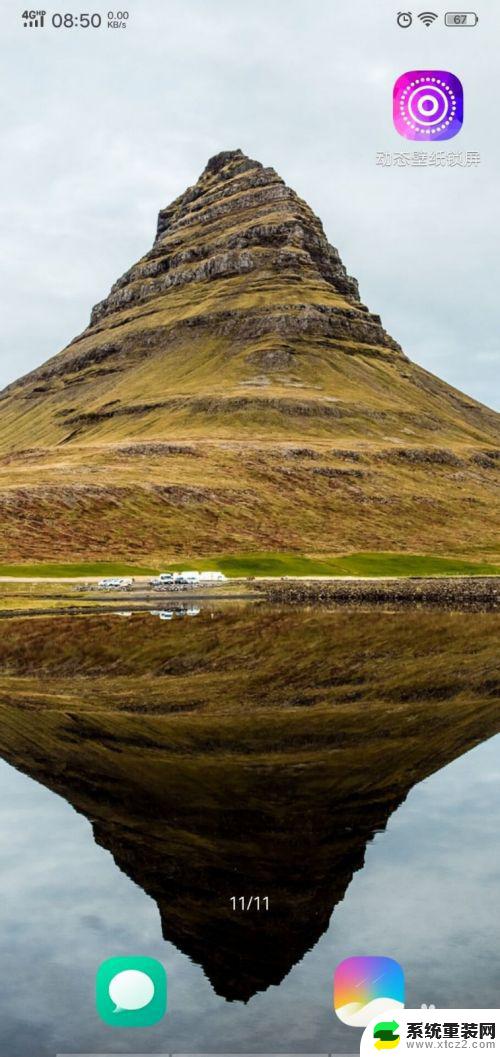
(346, 766)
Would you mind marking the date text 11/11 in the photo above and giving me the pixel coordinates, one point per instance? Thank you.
(250, 902)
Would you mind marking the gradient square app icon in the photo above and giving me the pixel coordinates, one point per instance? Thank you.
(428, 105)
(364, 987)
(131, 992)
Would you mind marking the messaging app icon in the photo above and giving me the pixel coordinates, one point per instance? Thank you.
(131, 992)
(366, 987)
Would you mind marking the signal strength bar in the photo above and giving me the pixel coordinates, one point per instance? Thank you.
(34, 19)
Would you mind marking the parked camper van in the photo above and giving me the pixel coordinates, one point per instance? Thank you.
(212, 577)
(189, 577)
(163, 580)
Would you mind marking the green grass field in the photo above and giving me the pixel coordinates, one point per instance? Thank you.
(274, 564)
(361, 564)
(72, 569)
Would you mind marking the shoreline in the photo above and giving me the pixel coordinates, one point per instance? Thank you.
(479, 593)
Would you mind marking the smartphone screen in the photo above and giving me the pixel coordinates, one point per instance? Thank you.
(249, 529)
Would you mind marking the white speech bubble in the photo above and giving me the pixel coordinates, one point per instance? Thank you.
(131, 989)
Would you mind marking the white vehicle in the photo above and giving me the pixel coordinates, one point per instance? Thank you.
(166, 614)
(212, 577)
(192, 612)
(162, 580)
(188, 577)
(115, 583)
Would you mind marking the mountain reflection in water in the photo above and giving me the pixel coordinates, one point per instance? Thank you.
(254, 751)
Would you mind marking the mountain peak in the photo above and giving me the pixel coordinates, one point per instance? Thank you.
(240, 326)
(238, 218)
(228, 157)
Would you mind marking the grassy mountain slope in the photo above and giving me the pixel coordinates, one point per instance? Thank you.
(234, 394)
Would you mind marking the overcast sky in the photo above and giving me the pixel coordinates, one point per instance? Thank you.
(101, 128)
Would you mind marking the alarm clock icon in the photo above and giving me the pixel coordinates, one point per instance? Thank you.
(404, 19)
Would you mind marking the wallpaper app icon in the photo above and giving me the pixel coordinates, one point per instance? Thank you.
(365, 987)
(428, 105)
(131, 992)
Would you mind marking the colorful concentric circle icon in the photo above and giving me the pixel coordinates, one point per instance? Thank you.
(428, 105)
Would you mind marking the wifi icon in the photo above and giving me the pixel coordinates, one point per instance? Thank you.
(427, 17)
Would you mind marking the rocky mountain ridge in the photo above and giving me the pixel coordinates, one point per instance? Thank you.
(240, 333)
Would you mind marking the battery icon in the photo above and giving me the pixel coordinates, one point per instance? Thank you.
(461, 18)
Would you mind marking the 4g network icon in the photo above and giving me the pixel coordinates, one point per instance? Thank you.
(428, 105)
(33, 19)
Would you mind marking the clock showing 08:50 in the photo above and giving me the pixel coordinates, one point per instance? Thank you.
(73, 20)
